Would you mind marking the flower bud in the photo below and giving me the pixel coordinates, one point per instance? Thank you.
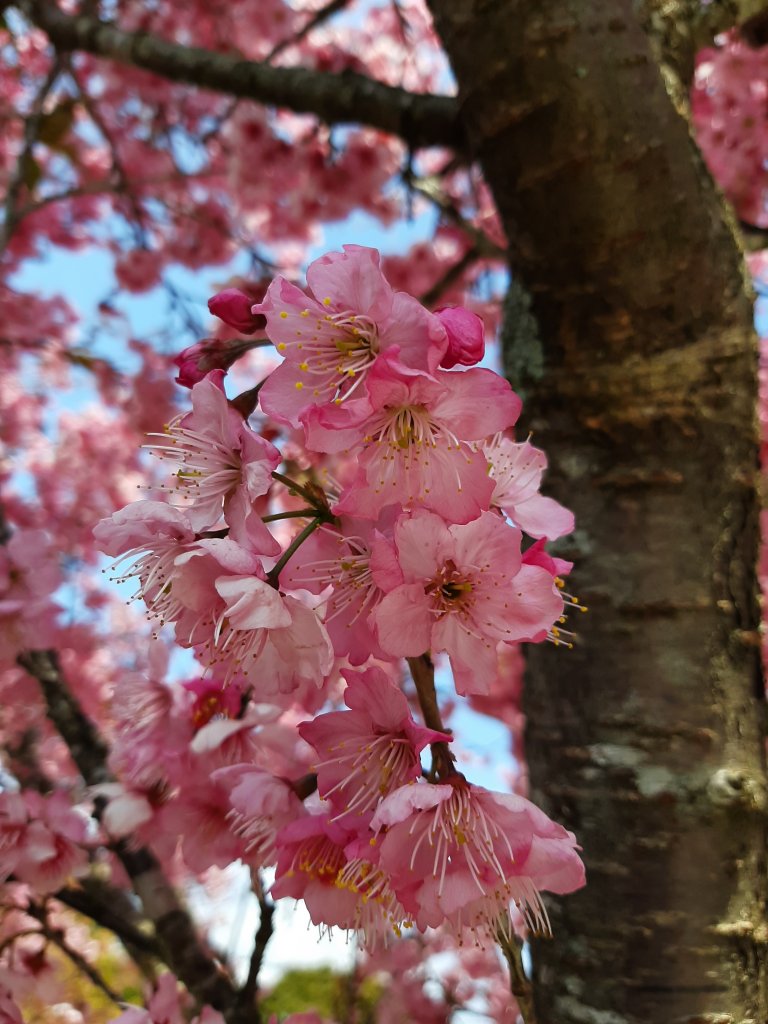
(234, 308)
(466, 343)
(197, 361)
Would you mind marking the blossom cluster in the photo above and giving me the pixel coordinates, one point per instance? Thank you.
(395, 455)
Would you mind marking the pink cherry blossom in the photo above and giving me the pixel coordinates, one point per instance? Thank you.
(369, 750)
(516, 470)
(41, 839)
(261, 804)
(165, 1005)
(310, 859)
(29, 573)
(225, 466)
(332, 338)
(728, 109)
(461, 854)
(415, 431)
(213, 700)
(466, 336)
(379, 915)
(341, 558)
(463, 589)
(242, 626)
(154, 535)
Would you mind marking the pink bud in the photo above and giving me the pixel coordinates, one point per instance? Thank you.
(466, 343)
(198, 360)
(234, 308)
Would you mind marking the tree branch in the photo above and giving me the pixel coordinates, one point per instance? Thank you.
(112, 908)
(348, 98)
(423, 675)
(58, 938)
(174, 928)
(519, 985)
(31, 129)
(250, 989)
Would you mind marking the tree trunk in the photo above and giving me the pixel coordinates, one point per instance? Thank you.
(647, 738)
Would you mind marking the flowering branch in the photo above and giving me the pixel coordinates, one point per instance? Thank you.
(31, 129)
(57, 937)
(173, 925)
(305, 492)
(349, 98)
(112, 908)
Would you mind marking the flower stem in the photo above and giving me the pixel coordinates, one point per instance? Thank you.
(423, 673)
(273, 575)
(299, 489)
(300, 513)
(519, 985)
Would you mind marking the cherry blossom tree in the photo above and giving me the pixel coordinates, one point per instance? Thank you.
(331, 527)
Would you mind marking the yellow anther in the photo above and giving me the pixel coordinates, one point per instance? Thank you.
(327, 301)
(281, 347)
(283, 315)
(303, 366)
(299, 385)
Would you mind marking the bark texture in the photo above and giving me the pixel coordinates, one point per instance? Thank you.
(647, 738)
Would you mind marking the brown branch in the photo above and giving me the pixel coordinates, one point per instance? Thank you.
(348, 98)
(250, 989)
(430, 188)
(453, 274)
(112, 908)
(519, 984)
(58, 938)
(174, 927)
(423, 674)
(31, 130)
(88, 750)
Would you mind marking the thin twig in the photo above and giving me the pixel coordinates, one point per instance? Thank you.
(57, 937)
(450, 277)
(111, 908)
(31, 131)
(430, 188)
(331, 8)
(250, 989)
(519, 984)
(273, 575)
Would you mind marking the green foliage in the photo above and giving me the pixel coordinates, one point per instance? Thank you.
(336, 997)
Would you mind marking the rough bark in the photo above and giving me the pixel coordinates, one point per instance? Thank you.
(647, 738)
